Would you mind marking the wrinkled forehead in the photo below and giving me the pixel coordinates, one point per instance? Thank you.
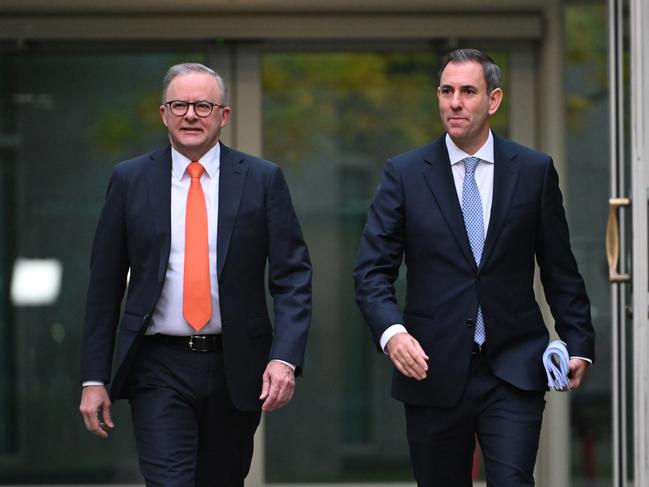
(194, 86)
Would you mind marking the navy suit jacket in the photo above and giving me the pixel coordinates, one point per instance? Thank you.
(416, 215)
(256, 225)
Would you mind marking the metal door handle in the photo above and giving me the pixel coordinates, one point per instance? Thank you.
(613, 239)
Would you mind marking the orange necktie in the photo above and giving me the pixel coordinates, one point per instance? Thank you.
(197, 299)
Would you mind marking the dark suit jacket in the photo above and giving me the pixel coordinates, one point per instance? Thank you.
(256, 224)
(416, 214)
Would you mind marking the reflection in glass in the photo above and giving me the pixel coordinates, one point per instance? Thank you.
(331, 120)
(36, 282)
(65, 120)
(586, 188)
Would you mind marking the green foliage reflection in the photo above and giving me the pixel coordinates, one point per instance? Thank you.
(377, 103)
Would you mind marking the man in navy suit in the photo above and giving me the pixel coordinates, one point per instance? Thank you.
(197, 367)
(471, 213)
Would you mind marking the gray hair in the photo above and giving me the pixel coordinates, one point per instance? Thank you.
(189, 68)
(490, 69)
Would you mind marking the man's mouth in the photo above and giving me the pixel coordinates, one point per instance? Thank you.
(457, 121)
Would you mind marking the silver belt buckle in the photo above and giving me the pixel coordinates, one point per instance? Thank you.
(195, 341)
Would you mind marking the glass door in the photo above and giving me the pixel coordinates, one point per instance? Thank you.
(618, 247)
(639, 111)
(67, 115)
(331, 118)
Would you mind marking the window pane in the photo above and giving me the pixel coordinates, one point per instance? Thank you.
(587, 189)
(65, 120)
(331, 120)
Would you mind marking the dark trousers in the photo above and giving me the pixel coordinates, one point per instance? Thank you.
(506, 421)
(188, 432)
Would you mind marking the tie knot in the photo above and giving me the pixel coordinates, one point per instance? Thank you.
(470, 163)
(195, 169)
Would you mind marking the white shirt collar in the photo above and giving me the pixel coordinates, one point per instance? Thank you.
(485, 153)
(211, 161)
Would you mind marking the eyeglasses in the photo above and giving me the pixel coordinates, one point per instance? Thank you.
(202, 108)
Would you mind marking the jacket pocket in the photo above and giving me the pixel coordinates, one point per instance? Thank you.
(131, 322)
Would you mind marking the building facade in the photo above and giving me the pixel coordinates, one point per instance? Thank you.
(328, 90)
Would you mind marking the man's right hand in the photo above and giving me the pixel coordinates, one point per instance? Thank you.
(95, 409)
(407, 355)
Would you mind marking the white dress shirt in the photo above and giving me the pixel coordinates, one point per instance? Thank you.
(168, 317)
(168, 314)
(484, 173)
(484, 177)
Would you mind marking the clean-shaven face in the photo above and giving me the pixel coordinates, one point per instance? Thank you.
(465, 106)
(190, 134)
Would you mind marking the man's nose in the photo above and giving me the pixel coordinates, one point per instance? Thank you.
(456, 100)
(190, 114)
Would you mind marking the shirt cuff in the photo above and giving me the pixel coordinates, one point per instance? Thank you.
(389, 333)
(92, 383)
(583, 358)
(293, 367)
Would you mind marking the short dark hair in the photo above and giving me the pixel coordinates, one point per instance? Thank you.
(490, 69)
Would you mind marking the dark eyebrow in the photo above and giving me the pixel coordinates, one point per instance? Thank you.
(463, 87)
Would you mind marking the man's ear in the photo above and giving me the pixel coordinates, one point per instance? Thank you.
(163, 111)
(225, 115)
(495, 99)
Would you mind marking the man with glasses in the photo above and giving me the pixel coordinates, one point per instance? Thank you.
(194, 226)
(471, 214)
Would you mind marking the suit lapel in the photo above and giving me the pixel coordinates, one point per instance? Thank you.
(439, 176)
(232, 176)
(505, 178)
(158, 186)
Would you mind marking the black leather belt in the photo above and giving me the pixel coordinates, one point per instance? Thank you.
(195, 343)
(477, 349)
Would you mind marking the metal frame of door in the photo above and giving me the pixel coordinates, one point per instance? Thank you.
(639, 10)
(629, 256)
(616, 243)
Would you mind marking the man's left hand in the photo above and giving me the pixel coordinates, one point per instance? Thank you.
(577, 370)
(278, 385)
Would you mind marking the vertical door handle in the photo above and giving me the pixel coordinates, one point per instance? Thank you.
(613, 239)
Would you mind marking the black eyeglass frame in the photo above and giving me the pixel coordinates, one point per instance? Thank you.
(193, 103)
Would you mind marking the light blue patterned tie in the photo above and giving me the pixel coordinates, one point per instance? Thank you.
(474, 223)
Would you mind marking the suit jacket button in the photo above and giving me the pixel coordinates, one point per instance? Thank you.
(469, 323)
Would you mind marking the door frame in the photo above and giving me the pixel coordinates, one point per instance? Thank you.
(640, 253)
